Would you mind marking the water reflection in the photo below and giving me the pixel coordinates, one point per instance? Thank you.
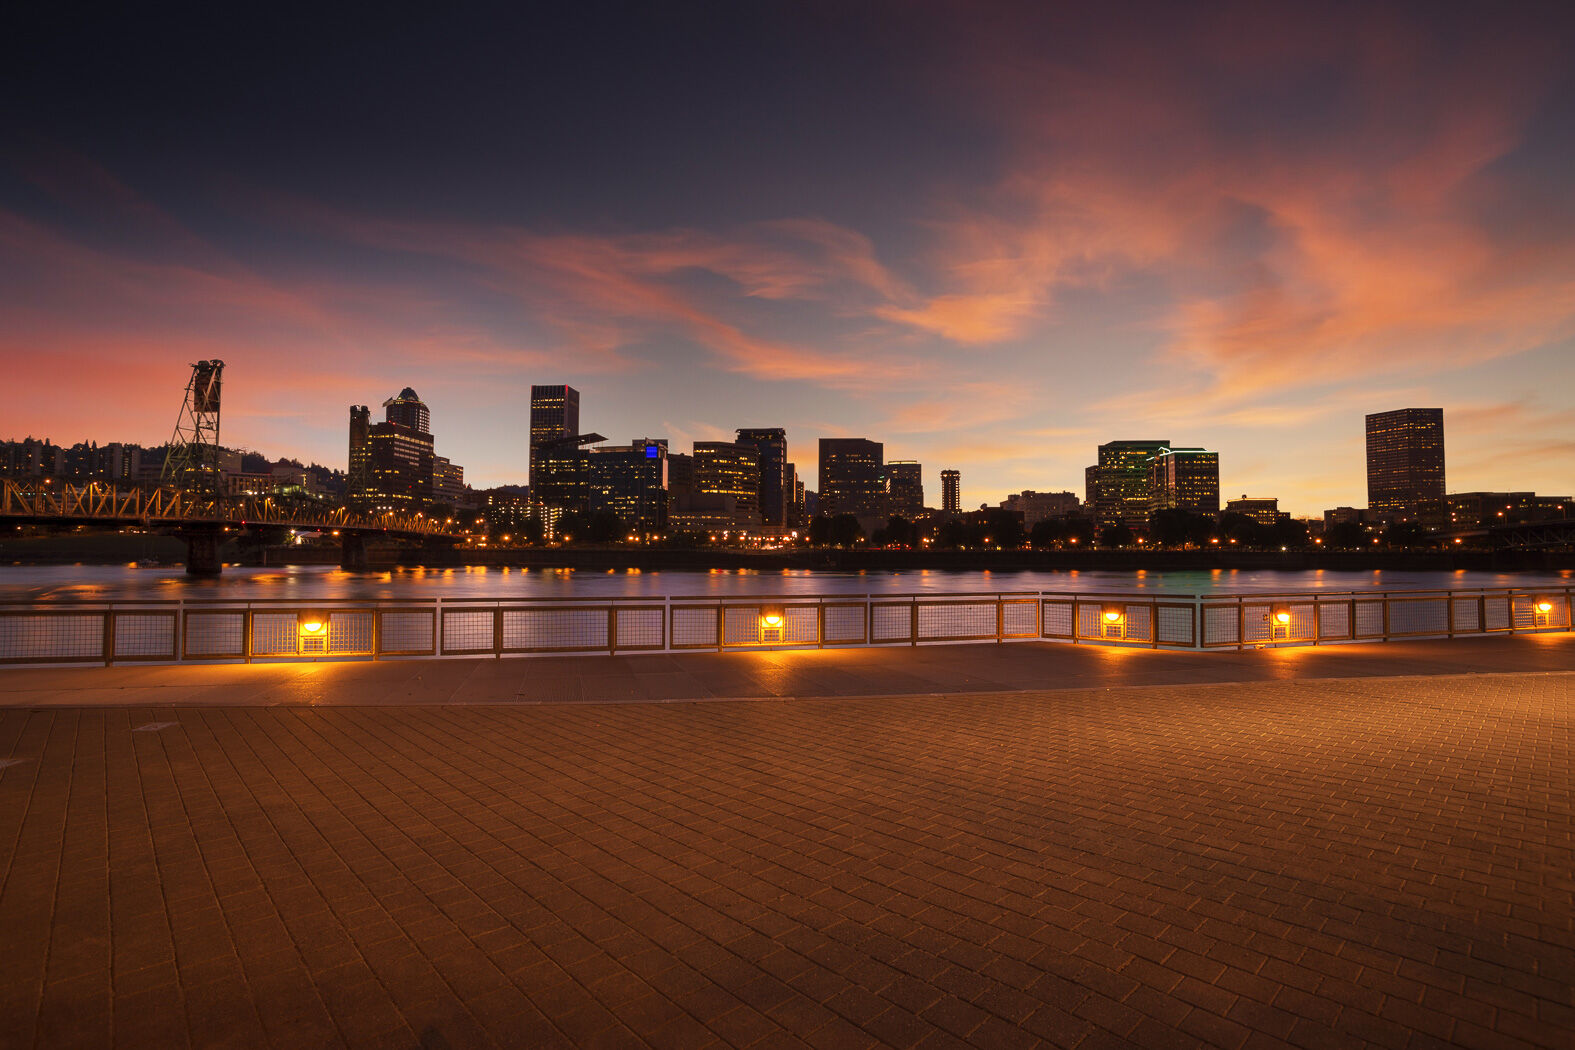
(479, 581)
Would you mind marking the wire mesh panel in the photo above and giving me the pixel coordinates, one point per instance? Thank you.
(1495, 612)
(892, 622)
(1468, 615)
(1140, 623)
(1369, 614)
(1019, 619)
(1334, 620)
(1549, 612)
(956, 620)
(211, 634)
(1416, 616)
(1174, 625)
(406, 633)
(145, 635)
(741, 625)
(695, 626)
(548, 629)
(801, 624)
(275, 634)
(350, 632)
(40, 637)
(642, 627)
(467, 630)
(1055, 618)
(1221, 625)
(845, 623)
(1256, 623)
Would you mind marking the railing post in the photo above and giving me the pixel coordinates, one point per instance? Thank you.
(1153, 623)
(612, 630)
(497, 632)
(913, 621)
(820, 623)
(1000, 619)
(109, 636)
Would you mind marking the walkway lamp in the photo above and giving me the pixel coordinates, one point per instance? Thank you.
(311, 624)
(1541, 610)
(771, 621)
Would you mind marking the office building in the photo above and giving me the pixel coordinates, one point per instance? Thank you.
(448, 482)
(359, 476)
(852, 477)
(1121, 491)
(399, 467)
(631, 482)
(732, 470)
(554, 418)
(951, 491)
(1264, 511)
(560, 477)
(1041, 506)
(774, 498)
(1405, 460)
(905, 488)
(1182, 479)
(409, 411)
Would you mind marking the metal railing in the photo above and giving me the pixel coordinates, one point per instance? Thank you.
(206, 629)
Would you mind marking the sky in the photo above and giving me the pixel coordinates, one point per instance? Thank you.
(989, 235)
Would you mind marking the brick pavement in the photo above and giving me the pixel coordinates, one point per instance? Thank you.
(1333, 863)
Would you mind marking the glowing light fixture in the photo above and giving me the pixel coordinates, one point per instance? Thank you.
(1282, 615)
(771, 616)
(1544, 606)
(312, 624)
(1113, 614)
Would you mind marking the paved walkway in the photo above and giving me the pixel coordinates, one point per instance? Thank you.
(1265, 863)
(886, 670)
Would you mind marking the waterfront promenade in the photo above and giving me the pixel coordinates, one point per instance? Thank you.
(984, 845)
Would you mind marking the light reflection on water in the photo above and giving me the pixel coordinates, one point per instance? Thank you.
(477, 581)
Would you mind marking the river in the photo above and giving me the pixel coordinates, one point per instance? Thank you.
(104, 582)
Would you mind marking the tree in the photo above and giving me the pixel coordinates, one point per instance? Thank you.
(1178, 527)
(897, 532)
(1346, 535)
(573, 525)
(1407, 534)
(845, 531)
(1002, 529)
(605, 527)
(1116, 535)
(532, 529)
(1288, 532)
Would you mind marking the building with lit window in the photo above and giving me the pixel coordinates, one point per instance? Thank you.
(408, 410)
(729, 469)
(399, 463)
(554, 418)
(359, 475)
(852, 477)
(905, 488)
(774, 498)
(631, 482)
(951, 491)
(1119, 485)
(1264, 511)
(1183, 479)
(448, 482)
(1405, 460)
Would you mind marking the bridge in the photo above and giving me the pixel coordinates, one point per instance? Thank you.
(1533, 535)
(201, 520)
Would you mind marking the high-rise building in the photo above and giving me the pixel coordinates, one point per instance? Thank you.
(852, 477)
(554, 417)
(951, 491)
(408, 410)
(730, 469)
(1121, 491)
(1184, 479)
(399, 464)
(905, 488)
(631, 481)
(1405, 460)
(359, 475)
(561, 477)
(770, 444)
(448, 482)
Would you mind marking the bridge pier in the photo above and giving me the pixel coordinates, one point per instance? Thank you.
(202, 551)
(352, 552)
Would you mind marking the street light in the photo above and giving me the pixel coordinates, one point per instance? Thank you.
(311, 624)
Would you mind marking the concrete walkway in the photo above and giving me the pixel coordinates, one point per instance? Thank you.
(1361, 860)
(881, 671)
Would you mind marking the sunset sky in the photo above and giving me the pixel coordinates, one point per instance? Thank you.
(990, 235)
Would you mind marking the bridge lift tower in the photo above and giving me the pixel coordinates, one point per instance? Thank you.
(193, 463)
(193, 459)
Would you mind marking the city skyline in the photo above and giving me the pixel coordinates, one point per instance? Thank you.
(988, 237)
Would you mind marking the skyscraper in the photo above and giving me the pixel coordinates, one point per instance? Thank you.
(554, 417)
(771, 445)
(360, 472)
(1122, 490)
(905, 488)
(951, 491)
(1405, 460)
(852, 477)
(1184, 479)
(408, 410)
(631, 481)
